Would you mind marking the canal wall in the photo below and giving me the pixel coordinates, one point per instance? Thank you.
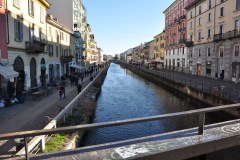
(194, 95)
(84, 111)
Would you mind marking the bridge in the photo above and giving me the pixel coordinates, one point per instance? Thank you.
(182, 144)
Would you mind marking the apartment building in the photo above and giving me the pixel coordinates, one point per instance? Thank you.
(93, 50)
(100, 56)
(61, 48)
(151, 50)
(175, 35)
(72, 14)
(26, 30)
(213, 33)
(87, 49)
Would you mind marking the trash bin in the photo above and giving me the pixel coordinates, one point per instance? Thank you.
(19, 144)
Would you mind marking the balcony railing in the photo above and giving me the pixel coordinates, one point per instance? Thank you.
(181, 41)
(189, 44)
(228, 35)
(35, 46)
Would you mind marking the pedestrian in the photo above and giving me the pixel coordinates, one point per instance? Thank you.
(82, 79)
(63, 91)
(79, 88)
(71, 80)
(91, 78)
(76, 80)
(59, 91)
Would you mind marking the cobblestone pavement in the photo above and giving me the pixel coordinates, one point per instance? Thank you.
(31, 115)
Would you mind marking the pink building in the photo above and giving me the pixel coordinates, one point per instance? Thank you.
(175, 35)
(3, 33)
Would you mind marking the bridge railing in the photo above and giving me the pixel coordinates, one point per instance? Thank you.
(199, 112)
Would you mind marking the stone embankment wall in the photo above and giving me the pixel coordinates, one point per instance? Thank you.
(83, 112)
(196, 95)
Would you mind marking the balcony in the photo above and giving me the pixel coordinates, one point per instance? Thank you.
(228, 35)
(35, 46)
(181, 41)
(189, 44)
(66, 59)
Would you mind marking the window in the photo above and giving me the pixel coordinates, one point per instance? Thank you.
(191, 26)
(220, 29)
(199, 52)
(18, 28)
(221, 11)
(209, 17)
(191, 37)
(50, 50)
(237, 24)
(236, 50)
(222, 1)
(209, 52)
(199, 21)
(210, 4)
(31, 8)
(209, 33)
(56, 51)
(16, 3)
(190, 51)
(199, 9)
(237, 4)
(191, 15)
(50, 31)
(42, 15)
(199, 36)
(221, 52)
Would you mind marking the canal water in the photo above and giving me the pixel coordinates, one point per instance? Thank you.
(125, 95)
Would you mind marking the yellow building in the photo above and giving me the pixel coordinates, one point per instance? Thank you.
(26, 27)
(159, 47)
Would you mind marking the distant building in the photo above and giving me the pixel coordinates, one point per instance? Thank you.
(175, 35)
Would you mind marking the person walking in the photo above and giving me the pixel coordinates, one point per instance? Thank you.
(63, 91)
(59, 91)
(79, 88)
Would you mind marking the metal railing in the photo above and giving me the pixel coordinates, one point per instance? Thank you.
(199, 112)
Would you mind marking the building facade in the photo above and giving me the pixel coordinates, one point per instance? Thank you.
(60, 47)
(175, 35)
(214, 37)
(72, 14)
(26, 30)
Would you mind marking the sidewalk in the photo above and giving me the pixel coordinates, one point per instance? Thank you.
(31, 114)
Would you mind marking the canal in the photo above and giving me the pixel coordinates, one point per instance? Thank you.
(125, 95)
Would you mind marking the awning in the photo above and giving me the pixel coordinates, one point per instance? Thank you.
(76, 66)
(7, 72)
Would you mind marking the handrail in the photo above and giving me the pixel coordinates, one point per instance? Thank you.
(71, 104)
(116, 123)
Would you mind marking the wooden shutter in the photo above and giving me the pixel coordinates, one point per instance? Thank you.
(21, 31)
(16, 29)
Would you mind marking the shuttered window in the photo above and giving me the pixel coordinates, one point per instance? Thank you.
(18, 28)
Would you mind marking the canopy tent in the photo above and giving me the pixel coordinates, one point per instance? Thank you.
(7, 72)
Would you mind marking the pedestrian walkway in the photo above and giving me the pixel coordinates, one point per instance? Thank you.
(33, 114)
(220, 88)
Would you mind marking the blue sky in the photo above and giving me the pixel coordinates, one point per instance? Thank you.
(122, 24)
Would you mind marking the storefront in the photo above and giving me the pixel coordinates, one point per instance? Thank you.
(18, 66)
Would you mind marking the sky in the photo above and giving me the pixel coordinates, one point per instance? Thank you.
(119, 25)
